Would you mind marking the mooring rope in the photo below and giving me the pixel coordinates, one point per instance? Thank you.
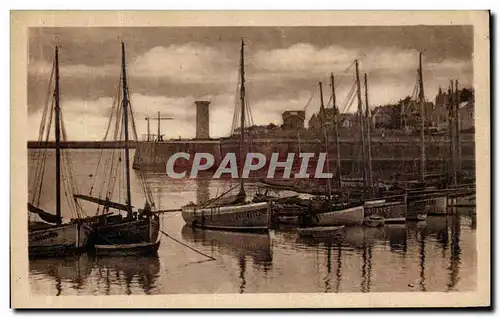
(191, 248)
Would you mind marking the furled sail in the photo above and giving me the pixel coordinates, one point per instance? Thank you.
(47, 217)
(106, 203)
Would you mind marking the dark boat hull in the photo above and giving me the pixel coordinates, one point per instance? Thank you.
(143, 229)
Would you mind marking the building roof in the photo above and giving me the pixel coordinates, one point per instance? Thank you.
(299, 113)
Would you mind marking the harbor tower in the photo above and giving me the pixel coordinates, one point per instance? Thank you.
(202, 119)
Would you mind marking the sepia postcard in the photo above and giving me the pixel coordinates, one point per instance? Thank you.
(250, 159)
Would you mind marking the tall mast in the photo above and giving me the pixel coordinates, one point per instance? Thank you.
(336, 131)
(457, 129)
(58, 139)
(159, 132)
(421, 97)
(368, 133)
(242, 118)
(325, 133)
(147, 119)
(125, 123)
(361, 128)
(453, 132)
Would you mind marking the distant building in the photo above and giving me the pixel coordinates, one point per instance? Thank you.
(440, 114)
(348, 120)
(411, 114)
(324, 118)
(466, 116)
(293, 120)
(382, 117)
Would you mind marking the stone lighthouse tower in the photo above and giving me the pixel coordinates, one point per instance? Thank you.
(202, 119)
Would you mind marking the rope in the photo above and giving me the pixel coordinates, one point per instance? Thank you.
(39, 173)
(114, 109)
(191, 248)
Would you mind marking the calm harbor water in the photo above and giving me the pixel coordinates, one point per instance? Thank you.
(436, 255)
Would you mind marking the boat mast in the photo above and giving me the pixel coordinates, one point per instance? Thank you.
(457, 129)
(58, 139)
(368, 134)
(336, 131)
(125, 123)
(325, 132)
(454, 131)
(159, 132)
(451, 132)
(242, 118)
(361, 124)
(422, 119)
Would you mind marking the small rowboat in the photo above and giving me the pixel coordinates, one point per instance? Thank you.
(320, 231)
(395, 221)
(144, 248)
(374, 221)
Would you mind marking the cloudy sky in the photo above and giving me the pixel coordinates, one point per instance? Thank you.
(169, 68)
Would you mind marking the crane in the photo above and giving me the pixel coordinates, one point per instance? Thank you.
(159, 119)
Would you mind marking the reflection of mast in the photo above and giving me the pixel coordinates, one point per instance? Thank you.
(363, 271)
(128, 280)
(328, 268)
(455, 252)
(58, 286)
(443, 237)
(107, 280)
(243, 265)
(422, 261)
(366, 269)
(339, 267)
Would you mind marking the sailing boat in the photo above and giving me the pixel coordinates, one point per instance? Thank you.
(234, 212)
(50, 236)
(137, 232)
(343, 213)
(423, 201)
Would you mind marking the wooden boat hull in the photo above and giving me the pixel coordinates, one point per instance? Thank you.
(144, 248)
(387, 209)
(144, 229)
(429, 206)
(350, 216)
(245, 217)
(65, 239)
(320, 232)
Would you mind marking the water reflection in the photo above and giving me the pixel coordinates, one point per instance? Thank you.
(202, 190)
(240, 245)
(436, 255)
(73, 270)
(81, 271)
(455, 252)
(396, 235)
(129, 272)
